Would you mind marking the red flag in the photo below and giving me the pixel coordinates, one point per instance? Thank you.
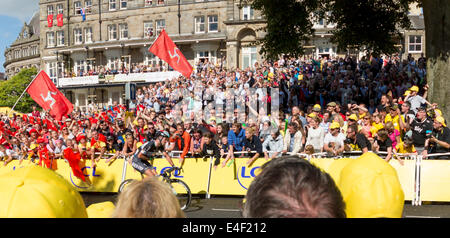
(44, 92)
(166, 50)
(50, 20)
(60, 20)
(74, 161)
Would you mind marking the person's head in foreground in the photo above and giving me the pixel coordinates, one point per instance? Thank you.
(371, 188)
(36, 192)
(291, 187)
(148, 198)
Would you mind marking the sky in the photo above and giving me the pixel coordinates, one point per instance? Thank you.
(13, 14)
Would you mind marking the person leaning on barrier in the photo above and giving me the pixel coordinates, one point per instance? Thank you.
(291, 187)
(356, 141)
(274, 144)
(421, 128)
(252, 144)
(333, 142)
(383, 143)
(439, 141)
(210, 148)
(147, 198)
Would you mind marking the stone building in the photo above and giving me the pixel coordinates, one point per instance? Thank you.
(24, 52)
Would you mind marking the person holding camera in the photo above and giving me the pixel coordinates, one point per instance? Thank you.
(439, 140)
(421, 128)
(383, 143)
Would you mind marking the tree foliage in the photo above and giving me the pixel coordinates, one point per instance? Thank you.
(372, 25)
(289, 25)
(13, 88)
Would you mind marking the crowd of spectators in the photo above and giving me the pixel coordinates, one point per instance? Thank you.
(273, 108)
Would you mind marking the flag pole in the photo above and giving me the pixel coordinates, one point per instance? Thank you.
(23, 93)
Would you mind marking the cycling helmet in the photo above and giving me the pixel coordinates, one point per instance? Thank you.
(162, 133)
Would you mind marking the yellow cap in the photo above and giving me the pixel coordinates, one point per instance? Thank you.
(36, 192)
(335, 125)
(270, 75)
(353, 117)
(100, 210)
(312, 115)
(407, 92)
(414, 89)
(371, 188)
(33, 146)
(441, 120)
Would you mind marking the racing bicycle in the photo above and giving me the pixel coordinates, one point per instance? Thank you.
(178, 187)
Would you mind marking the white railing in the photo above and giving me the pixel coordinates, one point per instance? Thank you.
(152, 77)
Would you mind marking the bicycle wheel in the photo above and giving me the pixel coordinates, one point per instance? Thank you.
(124, 184)
(182, 192)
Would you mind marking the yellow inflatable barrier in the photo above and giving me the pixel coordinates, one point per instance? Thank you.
(203, 178)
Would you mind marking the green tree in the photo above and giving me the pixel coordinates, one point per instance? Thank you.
(13, 88)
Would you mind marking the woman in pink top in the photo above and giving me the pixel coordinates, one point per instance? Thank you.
(394, 134)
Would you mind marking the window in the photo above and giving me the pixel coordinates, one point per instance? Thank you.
(60, 9)
(50, 39)
(415, 43)
(88, 34)
(123, 31)
(123, 4)
(148, 3)
(148, 29)
(113, 63)
(112, 5)
(247, 13)
(213, 25)
(160, 2)
(199, 24)
(78, 36)
(51, 71)
(248, 56)
(160, 24)
(206, 55)
(88, 6)
(151, 60)
(77, 7)
(60, 38)
(112, 32)
(79, 67)
(50, 10)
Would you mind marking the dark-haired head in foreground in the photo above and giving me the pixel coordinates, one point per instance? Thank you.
(291, 187)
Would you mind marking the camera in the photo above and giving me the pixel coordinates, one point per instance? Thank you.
(348, 141)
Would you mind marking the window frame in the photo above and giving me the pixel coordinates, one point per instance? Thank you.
(415, 44)
(216, 22)
(198, 25)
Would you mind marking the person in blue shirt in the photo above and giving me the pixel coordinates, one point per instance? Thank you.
(236, 137)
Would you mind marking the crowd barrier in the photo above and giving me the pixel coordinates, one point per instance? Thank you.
(421, 179)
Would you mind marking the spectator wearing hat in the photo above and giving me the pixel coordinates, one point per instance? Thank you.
(421, 128)
(415, 99)
(439, 141)
(333, 142)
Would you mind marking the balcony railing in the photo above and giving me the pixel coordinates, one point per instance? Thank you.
(152, 77)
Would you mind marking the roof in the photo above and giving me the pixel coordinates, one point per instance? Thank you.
(417, 22)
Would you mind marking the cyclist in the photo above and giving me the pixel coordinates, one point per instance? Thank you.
(147, 151)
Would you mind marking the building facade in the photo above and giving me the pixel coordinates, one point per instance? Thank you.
(24, 52)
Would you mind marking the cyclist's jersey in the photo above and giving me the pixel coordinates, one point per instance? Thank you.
(148, 149)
